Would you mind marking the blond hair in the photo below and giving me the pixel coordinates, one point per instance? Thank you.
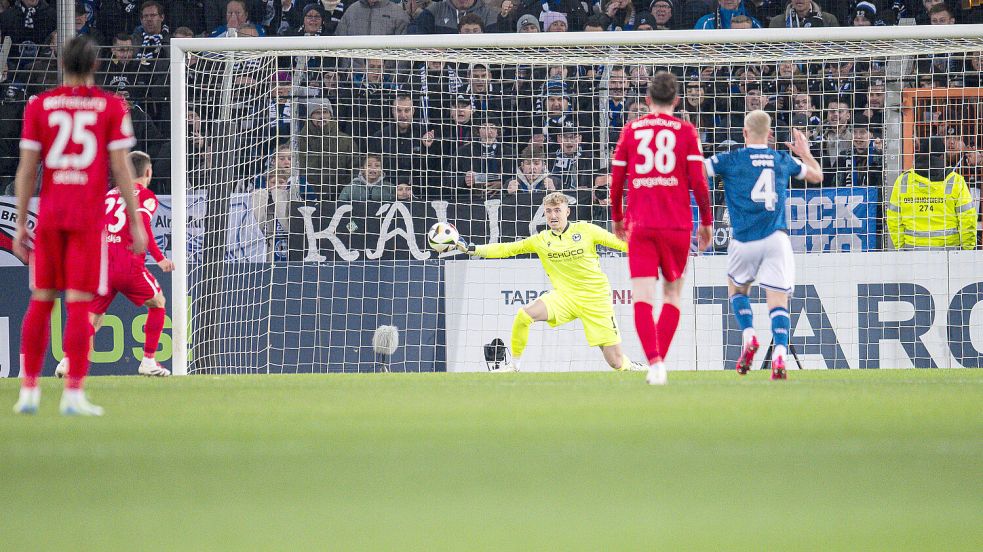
(757, 123)
(556, 198)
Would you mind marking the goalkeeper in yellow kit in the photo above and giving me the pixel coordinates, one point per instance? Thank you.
(568, 251)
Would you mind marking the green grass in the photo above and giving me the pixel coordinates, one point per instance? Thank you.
(830, 460)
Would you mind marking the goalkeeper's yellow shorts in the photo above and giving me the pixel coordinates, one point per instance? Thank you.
(597, 316)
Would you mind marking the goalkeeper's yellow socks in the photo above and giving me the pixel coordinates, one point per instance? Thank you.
(520, 333)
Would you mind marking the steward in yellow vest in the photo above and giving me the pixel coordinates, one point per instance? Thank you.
(931, 214)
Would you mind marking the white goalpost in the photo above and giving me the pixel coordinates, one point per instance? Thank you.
(306, 171)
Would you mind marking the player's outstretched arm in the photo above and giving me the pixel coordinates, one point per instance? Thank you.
(800, 147)
(607, 239)
(24, 183)
(498, 250)
(119, 162)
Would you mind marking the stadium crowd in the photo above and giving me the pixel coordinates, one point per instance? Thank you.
(324, 129)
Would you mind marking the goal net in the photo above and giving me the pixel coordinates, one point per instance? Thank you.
(306, 172)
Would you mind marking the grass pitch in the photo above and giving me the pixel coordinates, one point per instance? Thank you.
(829, 460)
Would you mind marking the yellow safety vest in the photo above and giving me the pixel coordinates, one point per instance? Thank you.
(927, 214)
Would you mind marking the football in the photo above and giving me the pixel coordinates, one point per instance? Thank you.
(442, 237)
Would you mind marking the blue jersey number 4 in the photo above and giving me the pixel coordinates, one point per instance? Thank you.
(764, 189)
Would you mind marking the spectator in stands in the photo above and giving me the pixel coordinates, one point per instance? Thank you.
(437, 84)
(470, 24)
(596, 23)
(478, 169)
(152, 35)
(409, 151)
(804, 117)
(413, 9)
(973, 69)
(28, 23)
(617, 103)
(369, 98)
(325, 152)
(555, 108)
(486, 92)
(837, 135)
(42, 71)
(865, 15)
(636, 110)
(722, 13)
(942, 14)
(271, 202)
(763, 10)
(373, 17)
(554, 22)
(862, 164)
(199, 153)
(443, 17)
(922, 16)
(83, 26)
(621, 15)
(532, 175)
(123, 74)
(699, 110)
(742, 22)
(187, 13)
(803, 13)
(661, 11)
(117, 16)
(370, 184)
(312, 22)
(460, 131)
(527, 24)
(334, 10)
(572, 167)
(572, 10)
(236, 17)
(286, 16)
(874, 112)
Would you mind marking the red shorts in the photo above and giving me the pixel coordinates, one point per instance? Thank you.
(650, 251)
(135, 282)
(69, 259)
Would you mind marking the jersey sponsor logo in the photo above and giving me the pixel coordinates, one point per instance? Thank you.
(565, 254)
(52, 103)
(653, 181)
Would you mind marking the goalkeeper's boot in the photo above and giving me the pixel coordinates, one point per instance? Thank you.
(150, 367)
(62, 369)
(747, 355)
(74, 403)
(28, 401)
(636, 367)
(658, 375)
(778, 369)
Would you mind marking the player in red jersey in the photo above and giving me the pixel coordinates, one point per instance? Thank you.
(79, 131)
(661, 159)
(128, 272)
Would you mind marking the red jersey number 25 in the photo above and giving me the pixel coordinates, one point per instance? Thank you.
(75, 129)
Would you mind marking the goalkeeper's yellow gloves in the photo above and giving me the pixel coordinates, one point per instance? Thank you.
(464, 247)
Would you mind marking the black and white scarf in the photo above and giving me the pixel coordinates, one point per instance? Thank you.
(29, 14)
(151, 43)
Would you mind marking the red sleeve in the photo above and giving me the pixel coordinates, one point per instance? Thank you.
(147, 208)
(619, 170)
(30, 136)
(120, 126)
(696, 172)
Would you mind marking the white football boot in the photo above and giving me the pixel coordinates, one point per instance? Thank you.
(28, 401)
(658, 375)
(150, 367)
(74, 403)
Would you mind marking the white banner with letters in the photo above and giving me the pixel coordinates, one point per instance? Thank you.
(851, 310)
